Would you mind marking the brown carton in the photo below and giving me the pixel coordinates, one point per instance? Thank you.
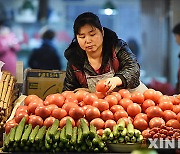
(43, 82)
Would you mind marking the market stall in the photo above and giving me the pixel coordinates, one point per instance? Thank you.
(81, 121)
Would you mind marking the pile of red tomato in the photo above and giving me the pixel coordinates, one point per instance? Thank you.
(145, 110)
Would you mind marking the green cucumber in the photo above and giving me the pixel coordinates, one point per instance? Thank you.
(68, 129)
(130, 130)
(26, 134)
(41, 133)
(33, 134)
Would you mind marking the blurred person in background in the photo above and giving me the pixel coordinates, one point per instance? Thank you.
(46, 56)
(176, 32)
(9, 46)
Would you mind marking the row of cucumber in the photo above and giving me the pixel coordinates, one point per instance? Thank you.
(122, 134)
(39, 139)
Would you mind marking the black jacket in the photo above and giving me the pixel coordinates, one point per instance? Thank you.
(128, 70)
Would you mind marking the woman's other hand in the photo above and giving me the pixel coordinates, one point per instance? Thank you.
(112, 83)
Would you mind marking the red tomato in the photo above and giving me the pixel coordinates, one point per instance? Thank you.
(166, 105)
(109, 124)
(57, 99)
(100, 132)
(149, 94)
(59, 113)
(46, 103)
(35, 120)
(101, 104)
(126, 119)
(106, 115)
(173, 123)
(137, 97)
(52, 107)
(85, 107)
(19, 116)
(154, 111)
(43, 111)
(98, 123)
(71, 100)
(118, 95)
(124, 93)
(102, 87)
(32, 106)
(49, 121)
(76, 112)
(79, 121)
(178, 117)
(69, 105)
(81, 104)
(112, 100)
(92, 113)
(89, 98)
(80, 95)
(10, 124)
(156, 122)
(62, 122)
(157, 96)
(176, 101)
(115, 108)
(21, 108)
(176, 109)
(168, 115)
(163, 98)
(133, 109)
(120, 114)
(147, 103)
(140, 124)
(67, 93)
(141, 115)
(125, 102)
(30, 98)
(100, 95)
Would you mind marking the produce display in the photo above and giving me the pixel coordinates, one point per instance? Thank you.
(7, 98)
(114, 118)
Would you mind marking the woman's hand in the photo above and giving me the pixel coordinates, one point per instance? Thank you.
(112, 83)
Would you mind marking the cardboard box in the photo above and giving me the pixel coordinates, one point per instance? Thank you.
(43, 82)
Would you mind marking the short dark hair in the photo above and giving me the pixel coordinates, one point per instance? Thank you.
(48, 34)
(176, 29)
(86, 18)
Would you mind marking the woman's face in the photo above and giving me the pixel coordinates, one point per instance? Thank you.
(90, 38)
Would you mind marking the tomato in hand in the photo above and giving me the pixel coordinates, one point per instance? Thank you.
(102, 87)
